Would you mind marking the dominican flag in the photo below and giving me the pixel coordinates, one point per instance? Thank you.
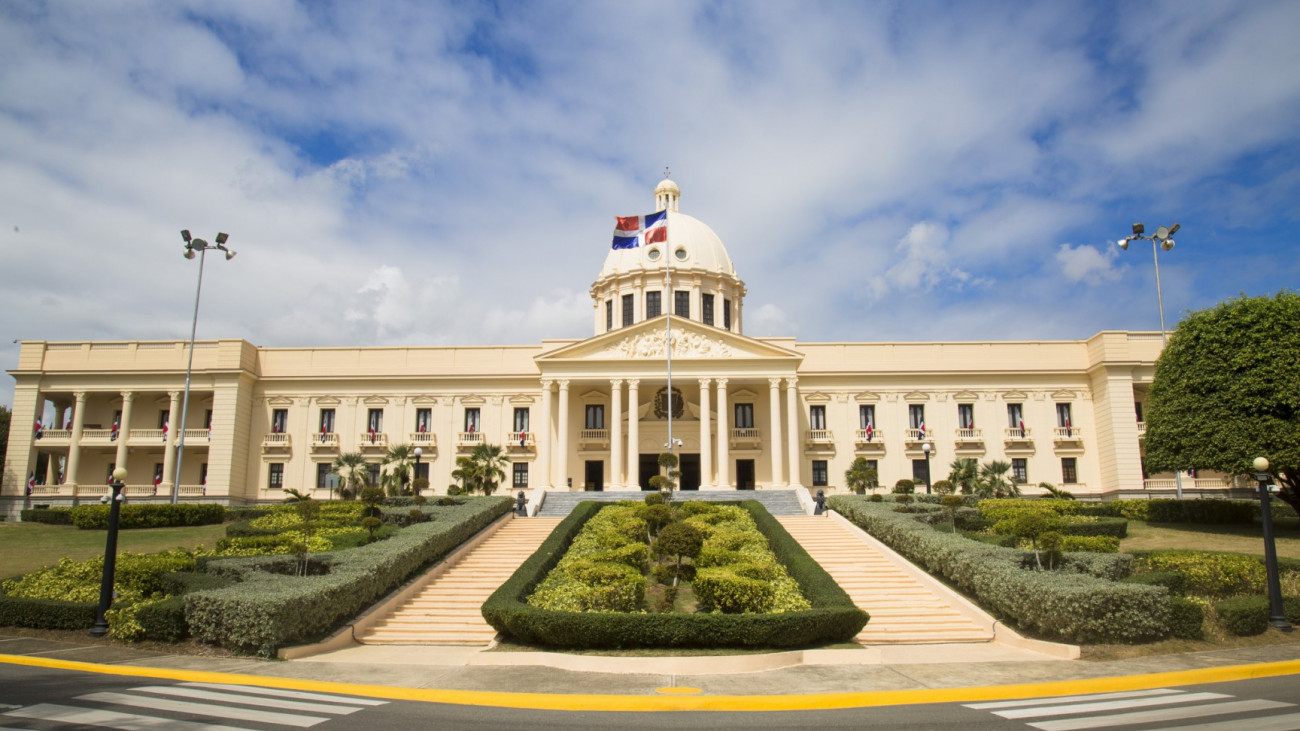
(31, 483)
(157, 480)
(921, 431)
(523, 437)
(422, 428)
(1067, 425)
(372, 435)
(67, 426)
(871, 429)
(116, 426)
(1022, 428)
(165, 430)
(40, 430)
(970, 422)
(633, 231)
(323, 431)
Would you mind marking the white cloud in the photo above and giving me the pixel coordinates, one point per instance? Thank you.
(1086, 264)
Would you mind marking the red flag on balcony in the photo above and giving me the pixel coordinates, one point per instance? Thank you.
(68, 424)
(31, 483)
(1022, 428)
(921, 431)
(372, 434)
(871, 429)
(164, 430)
(523, 437)
(117, 424)
(40, 430)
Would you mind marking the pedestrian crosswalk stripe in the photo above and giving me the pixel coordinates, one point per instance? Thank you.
(1289, 722)
(248, 700)
(1073, 699)
(1115, 705)
(1163, 714)
(71, 715)
(298, 694)
(204, 709)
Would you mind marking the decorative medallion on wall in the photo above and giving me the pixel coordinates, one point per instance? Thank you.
(661, 403)
(686, 344)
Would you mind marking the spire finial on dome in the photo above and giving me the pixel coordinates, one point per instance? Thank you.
(666, 193)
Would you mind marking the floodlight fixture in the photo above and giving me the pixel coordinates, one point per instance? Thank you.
(1123, 244)
(1139, 229)
(185, 234)
(221, 238)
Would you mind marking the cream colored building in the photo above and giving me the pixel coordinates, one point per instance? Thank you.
(750, 413)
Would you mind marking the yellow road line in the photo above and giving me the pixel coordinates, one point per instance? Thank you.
(655, 702)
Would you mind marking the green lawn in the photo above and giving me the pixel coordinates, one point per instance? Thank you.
(1237, 538)
(28, 546)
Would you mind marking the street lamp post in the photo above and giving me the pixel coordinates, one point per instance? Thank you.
(191, 245)
(418, 453)
(1276, 614)
(927, 448)
(1161, 239)
(100, 628)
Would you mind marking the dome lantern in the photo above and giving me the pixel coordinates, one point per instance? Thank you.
(666, 194)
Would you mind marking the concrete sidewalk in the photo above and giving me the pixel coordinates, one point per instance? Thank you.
(816, 672)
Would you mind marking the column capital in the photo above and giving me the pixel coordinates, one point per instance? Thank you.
(564, 384)
(791, 382)
(547, 383)
(774, 382)
(705, 382)
(616, 382)
(174, 395)
(722, 382)
(128, 396)
(80, 396)
(633, 382)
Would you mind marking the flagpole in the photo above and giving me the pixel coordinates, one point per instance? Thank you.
(668, 339)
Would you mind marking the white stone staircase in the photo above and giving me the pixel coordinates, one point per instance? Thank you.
(446, 611)
(906, 606)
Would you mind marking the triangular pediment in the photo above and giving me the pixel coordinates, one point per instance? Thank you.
(867, 397)
(1015, 396)
(645, 341)
(1062, 395)
(965, 396)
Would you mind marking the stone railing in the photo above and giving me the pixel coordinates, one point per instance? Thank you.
(468, 440)
(275, 440)
(373, 440)
(326, 440)
(819, 437)
(422, 439)
(1067, 433)
(593, 437)
(1142, 428)
(746, 435)
(1016, 434)
(520, 440)
(877, 437)
(197, 436)
(970, 435)
(155, 435)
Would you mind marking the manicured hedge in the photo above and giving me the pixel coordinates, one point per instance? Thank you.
(268, 610)
(46, 613)
(166, 515)
(1186, 619)
(1154, 511)
(52, 516)
(1248, 615)
(1099, 526)
(1175, 582)
(833, 617)
(1080, 602)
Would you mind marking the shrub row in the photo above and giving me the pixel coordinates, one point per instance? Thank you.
(1210, 574)
(265, 611)
(833, 617)
(46, 613)
(52, 516)
(1154, 511)
(1081, 601)
(1248, 615)
(165, 515)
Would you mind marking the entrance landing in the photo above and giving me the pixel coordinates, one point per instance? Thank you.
(559, 503)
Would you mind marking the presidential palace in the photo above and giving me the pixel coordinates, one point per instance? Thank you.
(746, 413)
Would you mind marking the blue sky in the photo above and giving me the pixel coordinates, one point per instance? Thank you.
(448, 173)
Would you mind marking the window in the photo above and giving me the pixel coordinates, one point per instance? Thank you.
(1137, 406)
(1063, 416)
(706, 309)
(1015, 415)
(966, 416)
(375, 420)
(726, 313)
(424, 420)
(520, 478)
(521, 420)
(163, 417)
(744, 416)
(472, 420)
(916, 416)
(627, 310)
(682, 304)
(1069, 470)
(609, 315)
(817, 417)
(874, 465)
(322, 474)
(652, 304)
(421, 470)
(595, 416)
(920, 472)
(327, 421)
(1020, 470)
(372, 475)
(275, 475)
(819, 473)
(203, 473)
(867, 416)
(279, 421)
(207, 418)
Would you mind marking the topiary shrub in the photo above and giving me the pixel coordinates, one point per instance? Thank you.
(655, 498)
(723, 590)
(876, 498)
(942, 487)
(51, 516)
(1243, 615)
(95, 517)
(1186, 619)
(904, 487)
(1091, 544)
(1171, 580)
(1211, 574)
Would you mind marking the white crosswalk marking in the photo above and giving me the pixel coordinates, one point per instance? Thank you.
(298, 694)
(283, 703)
(1162, 705)
(70, 715)
(204, 709)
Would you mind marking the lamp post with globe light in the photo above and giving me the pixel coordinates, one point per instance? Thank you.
(100, 628)
(418, 453)
(1163, 238)
(192, 245)
(1276, 612)
(927, 448)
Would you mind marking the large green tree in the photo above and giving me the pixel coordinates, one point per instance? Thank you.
(1227, 390)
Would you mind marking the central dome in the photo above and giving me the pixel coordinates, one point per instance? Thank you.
(705, 285)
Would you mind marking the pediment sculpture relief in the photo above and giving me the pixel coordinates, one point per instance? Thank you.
(651, 345)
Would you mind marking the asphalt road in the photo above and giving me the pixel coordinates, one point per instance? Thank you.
(47, 699)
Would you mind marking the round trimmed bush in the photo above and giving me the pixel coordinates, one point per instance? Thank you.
(1186, 619)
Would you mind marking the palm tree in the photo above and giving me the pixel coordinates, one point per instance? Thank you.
(307, 510)
(860, 476)
(491, 463)
(399, 461)
(353, 472)
(466, 473)
(993, 479)
(964, 474)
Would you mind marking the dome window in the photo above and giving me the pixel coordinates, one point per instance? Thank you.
(680, 254)
(653, 254)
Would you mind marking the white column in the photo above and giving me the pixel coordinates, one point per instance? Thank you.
(633, 436)
(706, 449)
(123, 429)
(543, 431)
(74, 446)
(774, 425)
(616, 433)
(792, 431)
(724, 436)
(169, 444)
(562, 456)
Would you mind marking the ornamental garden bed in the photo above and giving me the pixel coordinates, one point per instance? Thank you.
(592, 583)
